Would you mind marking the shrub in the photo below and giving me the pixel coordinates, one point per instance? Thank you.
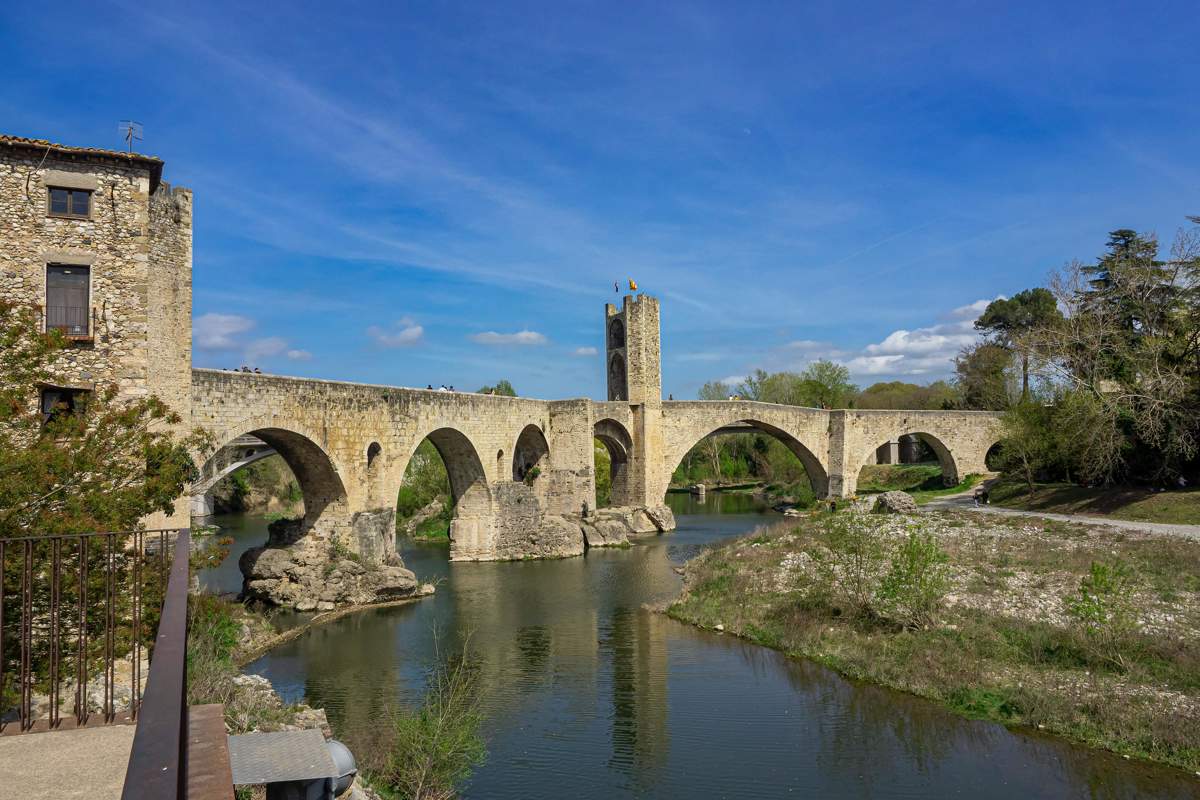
(1104, 611)
(916, 582)
(850, 561)
(427, 753)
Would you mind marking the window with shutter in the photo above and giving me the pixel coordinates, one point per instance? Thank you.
(68, 305)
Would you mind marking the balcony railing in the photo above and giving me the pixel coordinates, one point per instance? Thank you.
(79, 618)
(76, 322)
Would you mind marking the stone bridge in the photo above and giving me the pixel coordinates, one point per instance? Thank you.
(349, 445)
(521, 470)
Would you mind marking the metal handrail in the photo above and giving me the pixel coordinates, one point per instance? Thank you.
(157, 763)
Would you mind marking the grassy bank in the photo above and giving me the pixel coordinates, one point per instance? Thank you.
(922, 481)
(1006, 620)
(1179, 507)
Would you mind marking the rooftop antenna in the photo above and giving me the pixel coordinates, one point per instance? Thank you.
(131, 130)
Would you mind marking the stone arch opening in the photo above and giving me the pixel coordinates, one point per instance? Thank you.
(994, 457)
(373, 451)
(912, 461)
(306, 486)
(616, 378)
(445, 493)
(612, 449)
(616, 334)
(765, 453)
(531, 454)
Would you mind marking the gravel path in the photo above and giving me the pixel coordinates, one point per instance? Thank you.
(966, 502)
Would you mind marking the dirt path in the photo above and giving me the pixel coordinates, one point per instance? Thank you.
(966, 502)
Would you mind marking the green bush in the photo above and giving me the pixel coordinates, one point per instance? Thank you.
(850, 561)
(425, 754)
(912, 590)
(1104, 611)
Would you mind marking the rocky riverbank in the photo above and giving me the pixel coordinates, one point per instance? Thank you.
(1085, 632)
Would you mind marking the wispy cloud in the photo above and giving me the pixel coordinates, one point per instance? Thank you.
(265, 348)
(525, 337)
(219, 331)
(404, 333)
(226, 333)
(581, 352)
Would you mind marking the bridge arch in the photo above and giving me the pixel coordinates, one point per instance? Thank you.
(945, 458)
(619, 445)
(530, 452)
(818, 477)
(321, 484)
(471, 527)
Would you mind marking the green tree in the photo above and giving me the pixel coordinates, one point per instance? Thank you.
(823, 384)
(1007, 320)
(982, 377)
(827, 385)
(502, 387)
(900, 395)
(715, 390)
(105, 465)
(1125, 359)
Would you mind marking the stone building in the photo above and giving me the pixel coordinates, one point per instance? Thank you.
(102, 248)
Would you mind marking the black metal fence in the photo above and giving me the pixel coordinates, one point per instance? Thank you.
(78, 616)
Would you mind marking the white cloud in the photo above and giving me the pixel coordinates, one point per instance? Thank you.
(265, 348)
(405, 333)
(520, 337)
(733, 381)
(226, 333)
(972, 311)
(928, 351)
(585, 351)
(219, 331)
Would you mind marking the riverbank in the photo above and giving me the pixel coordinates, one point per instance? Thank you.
(1009, 641)
(1137, 504)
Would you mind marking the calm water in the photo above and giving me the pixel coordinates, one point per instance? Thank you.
(589, 696)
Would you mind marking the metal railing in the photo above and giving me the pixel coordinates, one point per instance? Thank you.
(158, 761)
(78, 615)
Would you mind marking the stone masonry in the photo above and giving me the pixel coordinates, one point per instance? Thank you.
(135, 242)
(521, 470)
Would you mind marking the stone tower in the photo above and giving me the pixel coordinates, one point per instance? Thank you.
(632, 350)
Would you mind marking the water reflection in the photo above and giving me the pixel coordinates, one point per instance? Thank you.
(588, 695)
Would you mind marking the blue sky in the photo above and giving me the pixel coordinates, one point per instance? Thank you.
(444, 193)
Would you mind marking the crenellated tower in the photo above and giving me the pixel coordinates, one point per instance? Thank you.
(632, 349)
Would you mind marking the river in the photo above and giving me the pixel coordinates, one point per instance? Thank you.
(588, 695)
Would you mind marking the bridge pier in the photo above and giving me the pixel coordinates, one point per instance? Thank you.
(201, 505)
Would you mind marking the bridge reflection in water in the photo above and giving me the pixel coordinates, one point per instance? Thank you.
(588, 695)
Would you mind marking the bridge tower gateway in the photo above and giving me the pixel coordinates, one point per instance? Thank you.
(632, 350)
(634, 369)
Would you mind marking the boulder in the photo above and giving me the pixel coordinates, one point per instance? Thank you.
(604, 532)
(895, 503)
(557, 537)
(663, 519)
(638, 520)
(305, 578)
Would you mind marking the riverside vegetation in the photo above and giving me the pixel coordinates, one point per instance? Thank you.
(1088, 633)
(422, 753)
